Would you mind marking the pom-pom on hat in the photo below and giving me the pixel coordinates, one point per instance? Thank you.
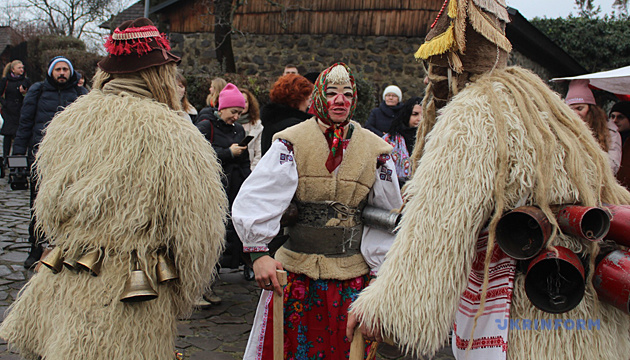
(393, 89)
(136, 45)
(579, 93)
(230, 96)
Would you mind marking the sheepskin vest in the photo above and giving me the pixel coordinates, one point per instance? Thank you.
(350, 185)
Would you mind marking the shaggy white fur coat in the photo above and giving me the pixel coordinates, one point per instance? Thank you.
(416, 295)
(121, 172)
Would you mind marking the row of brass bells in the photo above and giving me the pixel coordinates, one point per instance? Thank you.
(90, 262)
(139, 287)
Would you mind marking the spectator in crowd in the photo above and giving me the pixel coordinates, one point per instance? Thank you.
(123, 177)
(580, 98)
(402, 136)
(380, 118)
(13, 87)
(290, 97)
(290, 69)
(187, 108)
(620, 114)
(216, 85)
(221, 128)
(82, 80)
(250, 119)
(42, 102)
(318, 163)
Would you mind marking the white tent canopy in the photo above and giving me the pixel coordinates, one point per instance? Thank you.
(615, 81)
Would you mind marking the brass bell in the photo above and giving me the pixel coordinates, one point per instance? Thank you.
(138, 287)
(91, 262)
(70, 264)
(54, 260)
(165, 269)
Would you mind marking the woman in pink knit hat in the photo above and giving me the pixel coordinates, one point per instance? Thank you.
(220, 128)
(580, 98)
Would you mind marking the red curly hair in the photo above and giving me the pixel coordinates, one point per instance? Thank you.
(291, 90)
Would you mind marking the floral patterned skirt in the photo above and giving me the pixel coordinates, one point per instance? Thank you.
(315, 317)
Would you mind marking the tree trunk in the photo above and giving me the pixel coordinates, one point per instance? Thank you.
(223, 34)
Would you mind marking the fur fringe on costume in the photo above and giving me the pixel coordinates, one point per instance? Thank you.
(488, 127)
(121, 172)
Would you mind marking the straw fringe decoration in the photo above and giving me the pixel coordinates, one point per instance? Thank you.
(495, 7)
(482, 24)
(460, 26)
(438, 45)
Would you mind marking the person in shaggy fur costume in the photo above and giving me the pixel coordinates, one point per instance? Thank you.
(122, 175)
(493, 138)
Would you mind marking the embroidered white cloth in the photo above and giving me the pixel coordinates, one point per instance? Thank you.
(491, 334)
(268, 190)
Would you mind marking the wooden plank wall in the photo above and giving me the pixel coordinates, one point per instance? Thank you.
(346, 17)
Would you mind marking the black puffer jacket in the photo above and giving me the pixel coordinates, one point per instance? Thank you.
(222, 136)
(43, 100)
(12, 102)
(380, 118)
(277, 117)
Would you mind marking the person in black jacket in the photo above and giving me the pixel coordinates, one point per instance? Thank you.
(402, 136)
(290, 97)
(13, 87)
(380, 118)
(43, 100)
(220, 128)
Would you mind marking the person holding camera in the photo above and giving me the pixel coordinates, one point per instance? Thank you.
(42, 102)
(13, 86)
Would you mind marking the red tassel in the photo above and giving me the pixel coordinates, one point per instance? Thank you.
(140, 45)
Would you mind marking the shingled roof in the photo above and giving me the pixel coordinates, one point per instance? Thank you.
(8, 37)
(133, 12)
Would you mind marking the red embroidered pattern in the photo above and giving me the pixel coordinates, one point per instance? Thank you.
(250, 249)
(482, 343)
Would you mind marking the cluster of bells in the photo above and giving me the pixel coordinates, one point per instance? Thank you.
(555, 276)
(138, 286)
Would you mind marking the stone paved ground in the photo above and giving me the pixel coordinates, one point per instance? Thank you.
(217, 333)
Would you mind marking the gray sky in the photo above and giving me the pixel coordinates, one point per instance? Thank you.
(553, 8)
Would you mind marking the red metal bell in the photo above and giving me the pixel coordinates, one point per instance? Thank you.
(620, 224)
(612, 280)
(523, 232)
(590, 223)
(555, 281)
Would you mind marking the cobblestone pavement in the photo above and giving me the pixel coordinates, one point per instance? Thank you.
(217, 333)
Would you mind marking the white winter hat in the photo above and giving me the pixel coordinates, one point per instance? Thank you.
(393, 89)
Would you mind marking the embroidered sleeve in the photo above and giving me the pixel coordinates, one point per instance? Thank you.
(385, 194)
(264, 197)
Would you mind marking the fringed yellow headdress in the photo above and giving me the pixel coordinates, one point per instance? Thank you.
(468, 35)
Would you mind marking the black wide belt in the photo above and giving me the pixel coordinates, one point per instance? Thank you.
(328, 240)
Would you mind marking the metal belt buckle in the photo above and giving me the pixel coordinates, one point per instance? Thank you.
(344, 212)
